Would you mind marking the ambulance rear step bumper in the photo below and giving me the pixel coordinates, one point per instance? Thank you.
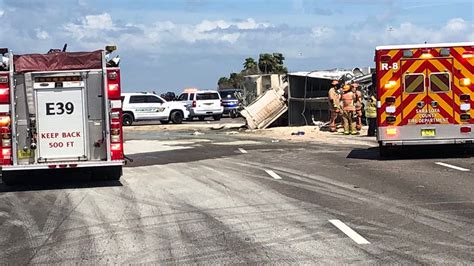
(61, 165)
(425, 142)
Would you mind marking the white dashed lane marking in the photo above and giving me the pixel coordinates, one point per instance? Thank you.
(273, 174)
(349, 232)
(242, 150)
(453, 167)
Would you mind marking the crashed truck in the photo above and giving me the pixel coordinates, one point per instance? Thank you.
(303, 99)
(425, 95)
(60, 112)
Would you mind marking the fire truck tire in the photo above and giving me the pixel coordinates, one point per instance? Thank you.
(108, 173)
(9, 178)
(217, 117)
(201, 118)
(176, 117)
(127, 119)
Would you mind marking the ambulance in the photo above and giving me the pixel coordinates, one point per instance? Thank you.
(60, 112)
(425, 94)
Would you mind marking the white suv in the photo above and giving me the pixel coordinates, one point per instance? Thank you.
(202, 104)
(149, 106)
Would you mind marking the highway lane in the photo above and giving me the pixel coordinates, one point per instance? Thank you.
(200, 199)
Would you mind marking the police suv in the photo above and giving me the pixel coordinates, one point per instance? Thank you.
(148, 106)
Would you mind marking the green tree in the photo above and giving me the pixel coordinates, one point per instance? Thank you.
(224, 83)
(278, 58)
(250, 66)
(266, 63)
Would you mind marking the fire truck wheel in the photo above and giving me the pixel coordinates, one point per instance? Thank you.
(176, 117)
(217, 117)
(201, 118)
(127, 119)
(9, 179)
(114, 173)
(108, 173)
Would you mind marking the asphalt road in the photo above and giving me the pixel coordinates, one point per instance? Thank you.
(225, 199)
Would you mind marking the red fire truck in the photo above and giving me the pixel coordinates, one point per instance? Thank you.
(425, 94)
(60, 112)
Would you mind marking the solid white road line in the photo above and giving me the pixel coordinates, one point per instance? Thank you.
(453, 167)
(273, 174)
(349, 232)
(242, 150)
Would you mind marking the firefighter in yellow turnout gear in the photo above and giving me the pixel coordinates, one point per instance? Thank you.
(358, 104)
(334, 98)
(349, 114)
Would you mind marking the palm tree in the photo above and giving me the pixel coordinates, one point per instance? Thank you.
(279, 58)
(250, 64)
(266, 63)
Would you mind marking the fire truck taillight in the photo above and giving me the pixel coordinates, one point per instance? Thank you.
(116, 135)
(4, 90)
(194, 104)
(113, 84)
(465, 82)
(6, 142)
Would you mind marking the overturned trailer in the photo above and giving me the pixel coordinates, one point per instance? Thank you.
(308, 91)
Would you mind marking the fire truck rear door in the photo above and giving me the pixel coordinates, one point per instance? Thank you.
(61, 123)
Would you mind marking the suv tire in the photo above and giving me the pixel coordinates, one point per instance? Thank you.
(127, 119)
(217, 117)
(176, 117)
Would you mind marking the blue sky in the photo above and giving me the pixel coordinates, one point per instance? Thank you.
(172, 44)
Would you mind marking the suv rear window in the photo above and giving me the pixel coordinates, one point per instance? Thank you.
(207, 96)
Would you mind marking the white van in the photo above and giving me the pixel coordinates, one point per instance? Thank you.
(202, 104)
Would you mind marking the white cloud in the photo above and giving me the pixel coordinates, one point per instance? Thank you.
(91, 26)
(2, 13)
(41, 34)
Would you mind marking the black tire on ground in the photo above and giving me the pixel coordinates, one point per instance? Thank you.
(217, 117)
(201, 118)
(164, 122)
(111, 173)
(127, 119)
(10, 178)
(386, 152)
(233, 114)
(189, 118)
(176, 117)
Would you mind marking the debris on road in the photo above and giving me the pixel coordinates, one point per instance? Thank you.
(197, 133)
